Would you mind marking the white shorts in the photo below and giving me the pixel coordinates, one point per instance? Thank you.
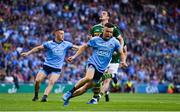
(113, 68)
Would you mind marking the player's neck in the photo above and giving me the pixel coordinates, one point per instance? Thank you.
(105, 39)
(104, 22)
(57, 40)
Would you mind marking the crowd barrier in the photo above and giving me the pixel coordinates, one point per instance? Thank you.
(61, 88)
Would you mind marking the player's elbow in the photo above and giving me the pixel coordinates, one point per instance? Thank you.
(75, 47)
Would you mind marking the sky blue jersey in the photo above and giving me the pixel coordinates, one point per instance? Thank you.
(102, 52)
(55, 53)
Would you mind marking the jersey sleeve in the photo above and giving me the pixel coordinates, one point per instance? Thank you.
(124, 38)
(70, 45)
(116, 32)
(91, 42)
(46, 45)
(117, 45)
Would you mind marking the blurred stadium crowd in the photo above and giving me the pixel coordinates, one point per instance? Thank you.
(152, 29)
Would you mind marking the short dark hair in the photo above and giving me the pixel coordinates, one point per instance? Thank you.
(57, 30)
(109, 25)
(108, 13)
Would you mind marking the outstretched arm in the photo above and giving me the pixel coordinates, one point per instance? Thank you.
(35, 49)
(121, 40)
(81, 50)
(123, 58)
(75, 47)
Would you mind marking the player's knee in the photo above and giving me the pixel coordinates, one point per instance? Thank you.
(37, 80)
(51, 82)
(106, 81)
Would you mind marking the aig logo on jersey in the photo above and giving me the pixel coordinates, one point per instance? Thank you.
(57, 52)
(103, 53)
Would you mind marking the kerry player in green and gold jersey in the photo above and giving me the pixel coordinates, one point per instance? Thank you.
(113, 66)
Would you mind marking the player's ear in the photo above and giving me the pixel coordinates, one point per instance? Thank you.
(102, 29)
(54, 33)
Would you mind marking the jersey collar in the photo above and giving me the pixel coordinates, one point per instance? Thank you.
(103, 38)
(57, 42)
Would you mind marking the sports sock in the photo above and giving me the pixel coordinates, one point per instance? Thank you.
(101, 94)
(72, 90)
(96, 92)
(115, 79)
(36, 88)
(107, 75)
(107, 92)
(107, 96)
(36, 94)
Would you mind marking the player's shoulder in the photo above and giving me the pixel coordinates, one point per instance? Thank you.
(67, 42)
(116, 27)
(97, 25)
(49, 42)
(114, 39)
(96, 37)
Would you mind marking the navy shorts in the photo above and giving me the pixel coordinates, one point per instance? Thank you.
(97, 74)
(50, 70)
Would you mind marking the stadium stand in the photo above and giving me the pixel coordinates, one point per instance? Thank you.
(152, 29)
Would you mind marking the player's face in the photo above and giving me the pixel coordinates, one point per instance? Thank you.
(104, 16)
(107, 33)
(59, 35)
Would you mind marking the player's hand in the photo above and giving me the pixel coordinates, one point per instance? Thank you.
(71, 58)
(123, 65)
(24, 54)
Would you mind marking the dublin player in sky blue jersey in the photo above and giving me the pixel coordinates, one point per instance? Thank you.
(103, 47)
(112, 69)
(55, 52)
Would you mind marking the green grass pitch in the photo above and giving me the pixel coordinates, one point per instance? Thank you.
(118, 102)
